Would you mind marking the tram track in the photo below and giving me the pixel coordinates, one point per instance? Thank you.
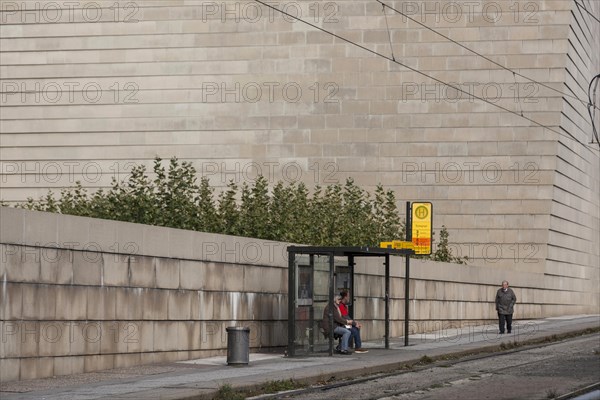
(442, 361)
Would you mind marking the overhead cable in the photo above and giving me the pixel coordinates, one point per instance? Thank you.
(414, 70)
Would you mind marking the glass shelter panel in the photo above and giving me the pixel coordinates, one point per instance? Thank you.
(312, 285)
(312, 295)
(343, 278)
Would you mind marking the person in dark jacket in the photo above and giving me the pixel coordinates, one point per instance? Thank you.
(505, 302)
(340, 324)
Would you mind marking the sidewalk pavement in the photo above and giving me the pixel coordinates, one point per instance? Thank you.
(201, 379)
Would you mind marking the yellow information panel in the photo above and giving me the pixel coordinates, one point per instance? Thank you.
(397, 244)
(422, 229)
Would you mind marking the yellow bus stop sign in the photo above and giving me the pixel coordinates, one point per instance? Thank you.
(422, 227)
(397, 244)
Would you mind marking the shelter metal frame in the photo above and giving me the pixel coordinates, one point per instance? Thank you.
(331, 252)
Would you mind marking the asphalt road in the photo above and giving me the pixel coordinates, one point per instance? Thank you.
(538, 373)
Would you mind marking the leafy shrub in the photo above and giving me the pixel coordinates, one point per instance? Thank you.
(335, 215)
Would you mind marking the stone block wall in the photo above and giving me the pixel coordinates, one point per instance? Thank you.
(79, 294)
(82, 295)
(448, 296)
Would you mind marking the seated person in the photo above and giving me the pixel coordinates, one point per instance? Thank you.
(339, 324)
(355, 329)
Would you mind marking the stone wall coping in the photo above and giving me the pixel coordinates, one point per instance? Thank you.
(44, 229)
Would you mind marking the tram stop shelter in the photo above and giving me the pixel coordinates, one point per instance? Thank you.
(315, 276)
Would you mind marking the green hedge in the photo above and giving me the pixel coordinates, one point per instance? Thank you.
(335, 215)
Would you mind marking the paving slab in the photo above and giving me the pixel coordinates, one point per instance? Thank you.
(201, 379)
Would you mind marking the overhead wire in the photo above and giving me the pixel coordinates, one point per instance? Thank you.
(295, 17)
(584, 8)
(518, 94)
(479, 54)
(389, 33)
(592, 99)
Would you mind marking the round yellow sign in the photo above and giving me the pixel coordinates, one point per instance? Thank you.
(421, 212)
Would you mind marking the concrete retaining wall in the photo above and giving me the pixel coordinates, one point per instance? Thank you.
(81, 294)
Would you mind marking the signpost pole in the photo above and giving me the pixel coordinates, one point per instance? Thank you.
(291, 303)
(407, 272)
(387, 301)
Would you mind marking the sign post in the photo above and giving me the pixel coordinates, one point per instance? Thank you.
(407, 273)
(419, 235)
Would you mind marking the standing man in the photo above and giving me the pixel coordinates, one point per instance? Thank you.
(505, 301)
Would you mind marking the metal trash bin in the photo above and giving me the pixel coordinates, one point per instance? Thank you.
(238, 345)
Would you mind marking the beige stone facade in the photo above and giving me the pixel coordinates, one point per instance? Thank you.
(89, 89)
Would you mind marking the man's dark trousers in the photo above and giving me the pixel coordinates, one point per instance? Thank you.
(508, 319)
